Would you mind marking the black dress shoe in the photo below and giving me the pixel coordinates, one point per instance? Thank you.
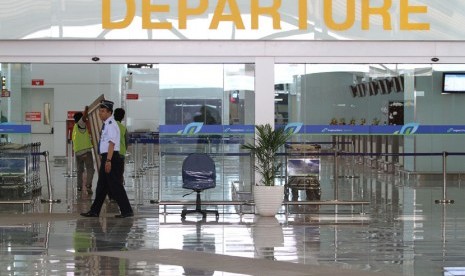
(125, 215)
(89, 215)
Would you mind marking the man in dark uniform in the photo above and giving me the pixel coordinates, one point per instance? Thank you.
(110, 166)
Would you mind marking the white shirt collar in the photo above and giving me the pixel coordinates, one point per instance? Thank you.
(108, 119)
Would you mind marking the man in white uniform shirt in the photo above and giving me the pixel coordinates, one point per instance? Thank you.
(110, 166)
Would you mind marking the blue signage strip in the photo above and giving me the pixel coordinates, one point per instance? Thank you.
(299, 128)
(15, 129)
(200, 128)
(407, 129)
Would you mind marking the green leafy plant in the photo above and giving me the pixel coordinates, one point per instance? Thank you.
(266, 144)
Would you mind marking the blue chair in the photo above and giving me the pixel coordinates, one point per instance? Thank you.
(198, 174)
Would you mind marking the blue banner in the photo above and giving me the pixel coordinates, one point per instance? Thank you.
(299, 128)
(14, 129)
(200, 128)
(407, 129)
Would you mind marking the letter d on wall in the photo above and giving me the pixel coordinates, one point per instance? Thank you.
(106, 15)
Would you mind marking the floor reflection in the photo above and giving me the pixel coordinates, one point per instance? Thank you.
(401, 232)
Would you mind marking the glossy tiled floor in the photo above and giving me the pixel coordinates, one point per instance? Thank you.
(402, 232)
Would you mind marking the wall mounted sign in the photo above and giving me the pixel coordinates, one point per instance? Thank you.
(416, 20)
(132, 96)
(33, 116)
(37, 82)
(5, 93)
(9, 128)
(227, 12)
(71, 115)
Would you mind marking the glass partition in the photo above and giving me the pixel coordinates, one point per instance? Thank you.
(379, 112)
(19, 155)
(177, 109)
(36, 107)
(205, 108)
(171, 110)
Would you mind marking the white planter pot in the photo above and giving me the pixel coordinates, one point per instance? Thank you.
(268, 199)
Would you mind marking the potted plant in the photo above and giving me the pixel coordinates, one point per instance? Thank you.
(267, 196)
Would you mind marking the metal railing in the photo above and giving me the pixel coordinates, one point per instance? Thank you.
(336, 154)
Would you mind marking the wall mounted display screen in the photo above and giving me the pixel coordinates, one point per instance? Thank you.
(185, 111)
(453, 82)
(303, 166)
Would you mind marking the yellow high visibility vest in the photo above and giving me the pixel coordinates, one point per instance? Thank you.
(122, 144)
(81, 140)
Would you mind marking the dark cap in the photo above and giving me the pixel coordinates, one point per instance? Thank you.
(107, 104)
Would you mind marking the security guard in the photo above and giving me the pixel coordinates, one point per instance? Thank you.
(110, 167)
(82, 146)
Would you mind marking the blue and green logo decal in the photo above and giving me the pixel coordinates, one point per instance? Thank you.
(454, 130)
(190, 129)
(293, 128)
(410, 128)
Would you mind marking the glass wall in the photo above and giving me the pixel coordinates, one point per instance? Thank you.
(205, 108)
(386, 109)
(19, 154)
(362, 108)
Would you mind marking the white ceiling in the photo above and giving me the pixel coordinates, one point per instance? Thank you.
(72, 19)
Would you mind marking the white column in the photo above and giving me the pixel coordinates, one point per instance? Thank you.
(264, 90)
(264, 94)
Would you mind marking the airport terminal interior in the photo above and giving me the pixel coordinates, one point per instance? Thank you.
(372, 173)
(370, 95)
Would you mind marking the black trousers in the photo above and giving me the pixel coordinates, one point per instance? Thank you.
(111, 183)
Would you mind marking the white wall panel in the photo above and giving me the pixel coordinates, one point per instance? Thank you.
(230, 51)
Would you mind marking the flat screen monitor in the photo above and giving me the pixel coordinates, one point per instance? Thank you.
(303, 166)
(185, 111)
(453, 82)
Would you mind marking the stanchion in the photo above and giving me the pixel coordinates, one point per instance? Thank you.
(67, 173)
(444, 188)
(351, 175)
(49, 182)
(336, 184)
(150, 156)
(70, 164)
(136, 160)
(444, 220)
